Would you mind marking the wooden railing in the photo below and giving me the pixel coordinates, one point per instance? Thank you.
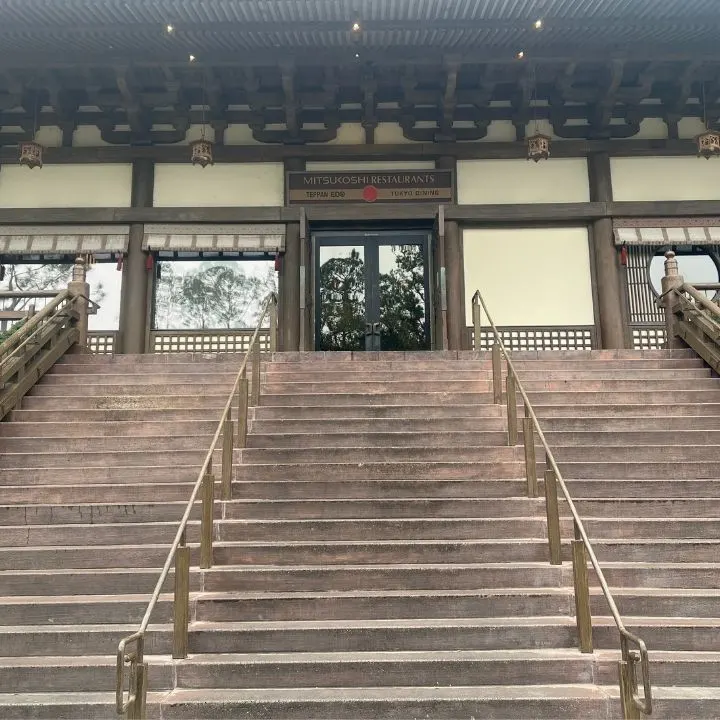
(132, 669)
(215, 341)
(633, 651)
(43, 338)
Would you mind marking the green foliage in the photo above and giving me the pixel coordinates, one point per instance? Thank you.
(5, 334)
(216, 295)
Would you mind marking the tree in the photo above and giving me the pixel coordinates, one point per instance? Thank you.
(402, 301)
(215, 295)
(40, 278)
(342, 303)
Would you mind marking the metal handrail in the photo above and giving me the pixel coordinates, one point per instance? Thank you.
(630, 657)
(136, 701)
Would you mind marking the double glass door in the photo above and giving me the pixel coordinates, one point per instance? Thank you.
(372, 291)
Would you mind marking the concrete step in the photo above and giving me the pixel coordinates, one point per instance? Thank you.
(207, 387)
(135, 416)
(48, 476)
(372, 412)
(106, 443)
(171, 377)
(64, 494)
(443, 703)
(107, 460)
(97, 428)
(95, 513)
(654, 453)
(212, 403)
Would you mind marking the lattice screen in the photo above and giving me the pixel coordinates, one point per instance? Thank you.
(539, 338)
(192, 341)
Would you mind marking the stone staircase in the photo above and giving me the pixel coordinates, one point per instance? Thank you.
(379, 558)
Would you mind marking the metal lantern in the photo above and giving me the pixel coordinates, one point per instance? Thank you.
(708, 144)
(31, 154)
(202, 153)
(538, 147)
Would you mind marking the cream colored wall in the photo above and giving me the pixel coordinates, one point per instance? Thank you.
(487, 182)
(665, 178)
(221, 185)
(530, 276)
(66, 186)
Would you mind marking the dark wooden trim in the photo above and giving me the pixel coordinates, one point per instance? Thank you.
(469, 215)
(122, 216)
(401, 151)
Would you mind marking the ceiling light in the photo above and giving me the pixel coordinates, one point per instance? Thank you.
(170, 29)
(520, 54)
(538, 24)
(356, 27)
(191, 58)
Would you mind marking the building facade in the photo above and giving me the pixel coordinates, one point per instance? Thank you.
(384, 171)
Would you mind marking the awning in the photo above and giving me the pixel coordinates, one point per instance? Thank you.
(661, 236)
(215, 238)
(62, 240)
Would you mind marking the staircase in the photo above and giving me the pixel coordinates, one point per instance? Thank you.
(379, 558)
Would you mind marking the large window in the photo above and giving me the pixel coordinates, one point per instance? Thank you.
(212, 294)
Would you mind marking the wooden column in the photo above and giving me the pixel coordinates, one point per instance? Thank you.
(607, 265)
(137, 279)
(454, 273)
(289, 311)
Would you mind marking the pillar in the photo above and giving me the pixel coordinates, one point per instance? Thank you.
(454, 273)
(289, 311)
(607, 264)
(671, 282)
(137, 279)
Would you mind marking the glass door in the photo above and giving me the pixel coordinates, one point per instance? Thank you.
(372, 293)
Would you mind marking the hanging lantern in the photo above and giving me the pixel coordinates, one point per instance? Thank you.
(538, 147)
(31, 154)
(202, 153)
(708, 144)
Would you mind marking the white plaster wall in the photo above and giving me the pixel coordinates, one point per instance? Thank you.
(487, 182)
(66, 186)
(361, 166)
(530, 276)
(221, 185)
(665, 178)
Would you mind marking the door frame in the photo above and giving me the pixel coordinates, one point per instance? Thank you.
(366, 238)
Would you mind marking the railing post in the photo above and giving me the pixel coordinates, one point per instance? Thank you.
(583, 617)
(80, 290)
(138, 683)
(477, 322)
(227, 457)
(181, 602)
(530, 459)
(670, 284)
(255, 385)
(273, 326)
(206, 524)
(242, 412)
(630, 710)
(497, 373)
(553, 517)
(512, 417)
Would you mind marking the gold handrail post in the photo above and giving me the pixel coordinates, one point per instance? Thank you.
(512, 417)
(530, 459)
(255, 385)
(477, 322)
(583, 617)
(273, 326)
(553, 517)
(181, 602)
(206, 524)
(630, 710)
(497, 373)
(227, 456)
(242, 411)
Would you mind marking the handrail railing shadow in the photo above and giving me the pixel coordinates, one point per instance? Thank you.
(633, 650)
(131, 698)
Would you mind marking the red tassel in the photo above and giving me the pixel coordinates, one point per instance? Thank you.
(149, 262)
(624, 256)
(120, 260)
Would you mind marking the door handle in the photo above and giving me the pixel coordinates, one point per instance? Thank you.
(376, 329)
(372, 329)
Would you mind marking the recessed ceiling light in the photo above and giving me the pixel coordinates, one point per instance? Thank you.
(538, 24)
(356, 27)
(520, 54)
(191, 58)
(357, 56)
(170, 29)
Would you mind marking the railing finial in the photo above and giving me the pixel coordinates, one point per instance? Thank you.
(671, 264)
(78, 273)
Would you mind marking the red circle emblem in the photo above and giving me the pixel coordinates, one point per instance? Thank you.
(370, 193)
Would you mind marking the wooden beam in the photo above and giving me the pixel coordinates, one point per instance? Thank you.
(524, 213)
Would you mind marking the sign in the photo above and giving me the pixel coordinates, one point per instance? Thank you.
(390, 186)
